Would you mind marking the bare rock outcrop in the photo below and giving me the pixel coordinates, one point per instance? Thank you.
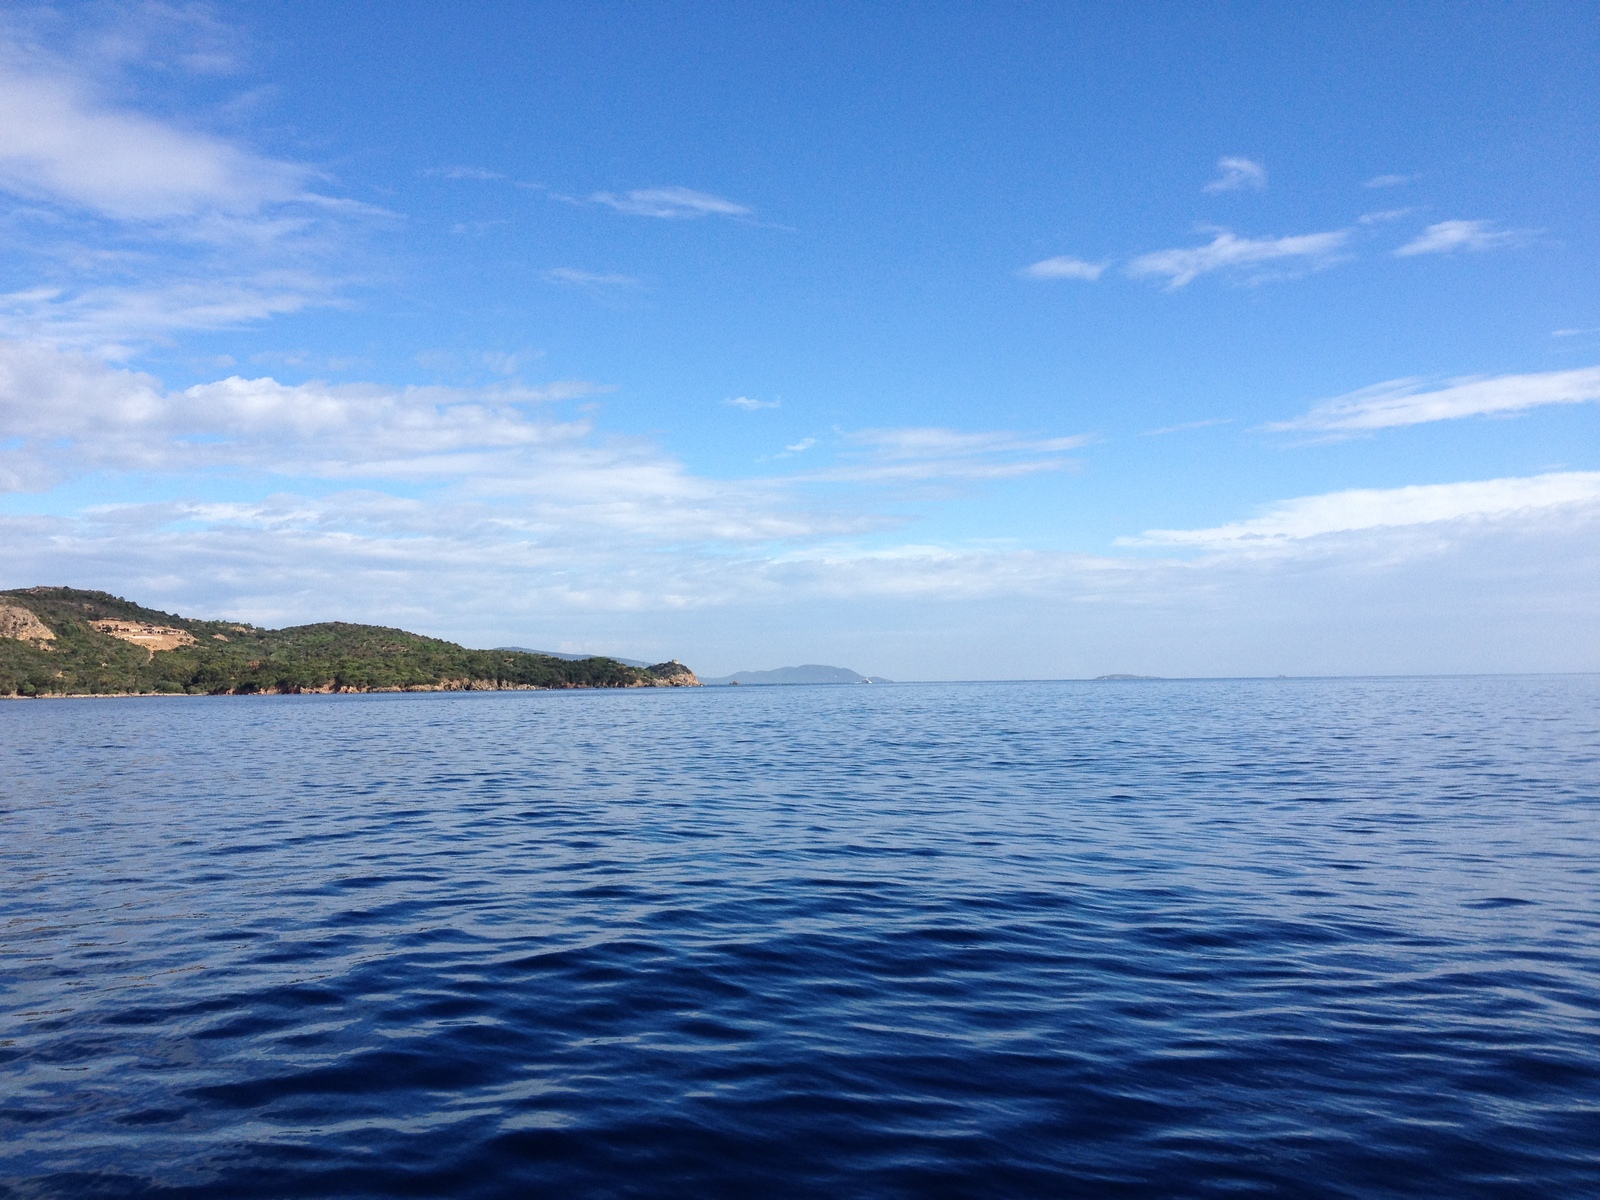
(673, 673)
(21, 623)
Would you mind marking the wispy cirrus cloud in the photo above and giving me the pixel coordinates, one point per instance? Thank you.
(1446, 595)
(108, 315)
(927, 454)
(671, 203)
(60, 145)
(1237, 174)
(490, 458)
(65, 412)
(1255, 257)
(1258, 260)
(1389, 181)
(1063, 267)
(454, 507)
(933, 443)
(590, 279)
(750, 404)
(502, 362)
(1361, 509)
(1186, 426)
(1446, 237)
(1400, 402)
(479, 174)
(495, 450)
(136, 228)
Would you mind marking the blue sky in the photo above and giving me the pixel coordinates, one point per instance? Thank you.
(963, 341)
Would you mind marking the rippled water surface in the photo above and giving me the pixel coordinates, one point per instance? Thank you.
(1261, 938)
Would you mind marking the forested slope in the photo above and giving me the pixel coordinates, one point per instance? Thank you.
(63, 641)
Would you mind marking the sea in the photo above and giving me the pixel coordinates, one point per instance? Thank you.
(1309, 938)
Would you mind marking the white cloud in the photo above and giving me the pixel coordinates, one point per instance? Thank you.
(474, 173)
(479, 228)
(1235, 174)
(1187, 425)
(155, 38)
(133, 228)
(593, 279)
(461, 506)
(1507, 593)
(1063, 268)
(749, 404)
(1386, 215)
(107, 316)
(1305, 252)
(500, 361)
(1388, 181)
(490, 450)
(56, 144)
(1446, 237)
(73, 414)
(505, 362)
(1361, 509)
(671, 203)
(1405, 402)
(461, 502)
(914, 455)
(930, 443)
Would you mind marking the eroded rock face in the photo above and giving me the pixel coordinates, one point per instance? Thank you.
(674, 674)
(20, 623)
(151, 637)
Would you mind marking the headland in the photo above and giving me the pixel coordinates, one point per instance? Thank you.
(58, 641)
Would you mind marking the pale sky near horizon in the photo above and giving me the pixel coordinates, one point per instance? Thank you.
(946, 341)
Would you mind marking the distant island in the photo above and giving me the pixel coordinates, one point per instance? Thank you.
(809, 673)
(57, 641)
(1101, 678)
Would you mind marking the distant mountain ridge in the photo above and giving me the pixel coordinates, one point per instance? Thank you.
(57, 641)
(567, 656)
(808, 673)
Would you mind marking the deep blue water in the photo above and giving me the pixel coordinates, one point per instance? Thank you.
(1259, 938)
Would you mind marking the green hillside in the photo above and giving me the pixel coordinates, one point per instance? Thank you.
(49, 645)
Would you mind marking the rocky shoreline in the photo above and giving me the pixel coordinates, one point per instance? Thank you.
(64, 642)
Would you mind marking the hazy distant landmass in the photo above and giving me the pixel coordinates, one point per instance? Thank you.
(1098, 678)
(570, 657)
(809, 673)
(57, 641)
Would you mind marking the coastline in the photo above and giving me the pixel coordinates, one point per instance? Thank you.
(59, 642)
(449, 685)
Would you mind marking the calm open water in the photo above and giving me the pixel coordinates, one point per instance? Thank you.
(1259, 938)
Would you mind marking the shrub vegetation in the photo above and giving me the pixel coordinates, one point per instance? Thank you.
(230, 657)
